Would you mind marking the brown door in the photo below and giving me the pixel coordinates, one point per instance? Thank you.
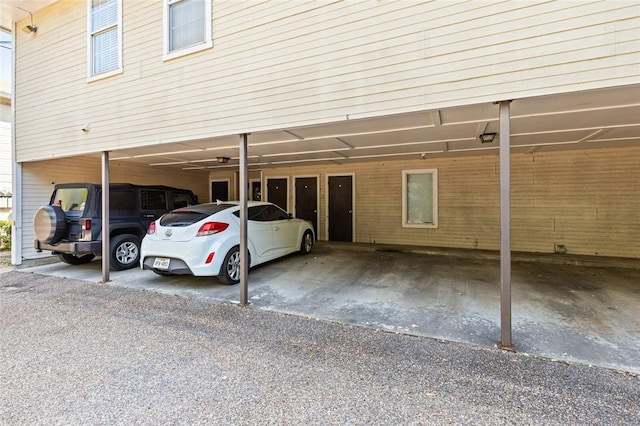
(340, 208)
(277, 192)
(307, 200)
(256, 191)
(220, 191)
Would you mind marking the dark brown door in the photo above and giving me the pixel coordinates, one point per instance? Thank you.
(220, 191)
(307, 200)
(256, 191)
(340, 208)
(277, 192)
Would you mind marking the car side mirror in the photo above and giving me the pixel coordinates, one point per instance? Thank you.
(289, 216)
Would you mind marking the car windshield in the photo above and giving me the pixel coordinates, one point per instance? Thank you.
(193, 214)
(70, 199)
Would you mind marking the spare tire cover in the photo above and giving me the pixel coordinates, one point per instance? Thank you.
(50, 224)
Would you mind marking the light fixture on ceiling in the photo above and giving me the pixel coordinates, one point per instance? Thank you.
(29, 28)
(222, 160)
(86, 128)
(487, 137)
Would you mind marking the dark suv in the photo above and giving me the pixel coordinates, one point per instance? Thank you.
(71, 225)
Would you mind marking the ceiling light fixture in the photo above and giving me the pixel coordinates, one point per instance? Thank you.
(487, 137)
(222, 160)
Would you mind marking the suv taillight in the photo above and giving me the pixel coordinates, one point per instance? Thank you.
(211, 228)
(86, 224)
(152, 228)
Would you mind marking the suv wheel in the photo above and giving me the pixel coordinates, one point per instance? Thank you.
(76, 260)
(125, 252)
(50, 224)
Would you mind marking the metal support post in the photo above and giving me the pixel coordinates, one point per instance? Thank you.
(505, 228)
(244, 252)
(106, 240)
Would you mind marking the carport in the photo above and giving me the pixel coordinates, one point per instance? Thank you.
(370, 94)
(597, 119)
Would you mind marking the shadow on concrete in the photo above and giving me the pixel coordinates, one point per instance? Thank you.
(569, 308)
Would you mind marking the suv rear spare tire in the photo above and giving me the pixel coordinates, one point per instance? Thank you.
(50, 224)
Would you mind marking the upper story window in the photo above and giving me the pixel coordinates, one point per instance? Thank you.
(105, 38)
(187, 27)
(420, 198)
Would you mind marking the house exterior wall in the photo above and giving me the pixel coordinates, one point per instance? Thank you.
(584, 200)
(581, 199)
(280, 64)
(39, 178)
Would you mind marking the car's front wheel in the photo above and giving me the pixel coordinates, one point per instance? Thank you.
(307, 243)
(125, 252)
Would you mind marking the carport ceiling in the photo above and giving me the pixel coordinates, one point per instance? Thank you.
(592, 119)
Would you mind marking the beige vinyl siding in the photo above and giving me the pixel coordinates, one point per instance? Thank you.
(588, 201)
(279, 64)
(39, 178)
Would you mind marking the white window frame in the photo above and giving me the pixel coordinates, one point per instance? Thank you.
(207, 43)
(119, 68)
(434, 201)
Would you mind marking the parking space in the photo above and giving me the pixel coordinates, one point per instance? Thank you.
(577, 313)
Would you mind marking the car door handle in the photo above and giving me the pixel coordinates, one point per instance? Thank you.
(275, 228)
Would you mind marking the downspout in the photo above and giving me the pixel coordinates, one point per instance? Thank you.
(16, 168)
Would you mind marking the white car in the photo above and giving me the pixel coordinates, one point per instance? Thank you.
(204, 240)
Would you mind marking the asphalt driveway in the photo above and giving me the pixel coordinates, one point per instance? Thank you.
(78, 352)
(575, 313)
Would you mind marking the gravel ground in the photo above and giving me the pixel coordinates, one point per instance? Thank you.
(74, 352)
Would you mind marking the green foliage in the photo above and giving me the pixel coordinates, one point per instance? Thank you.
(5, 235)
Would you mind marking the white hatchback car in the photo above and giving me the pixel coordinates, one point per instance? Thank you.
(204, 240)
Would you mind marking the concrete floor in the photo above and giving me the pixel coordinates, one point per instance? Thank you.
(574, 313)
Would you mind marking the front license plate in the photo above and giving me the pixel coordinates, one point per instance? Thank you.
(161, 263)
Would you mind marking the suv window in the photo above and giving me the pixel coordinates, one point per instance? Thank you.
(70, 199)
(122, 202)
(153, 200)
(181, 199)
